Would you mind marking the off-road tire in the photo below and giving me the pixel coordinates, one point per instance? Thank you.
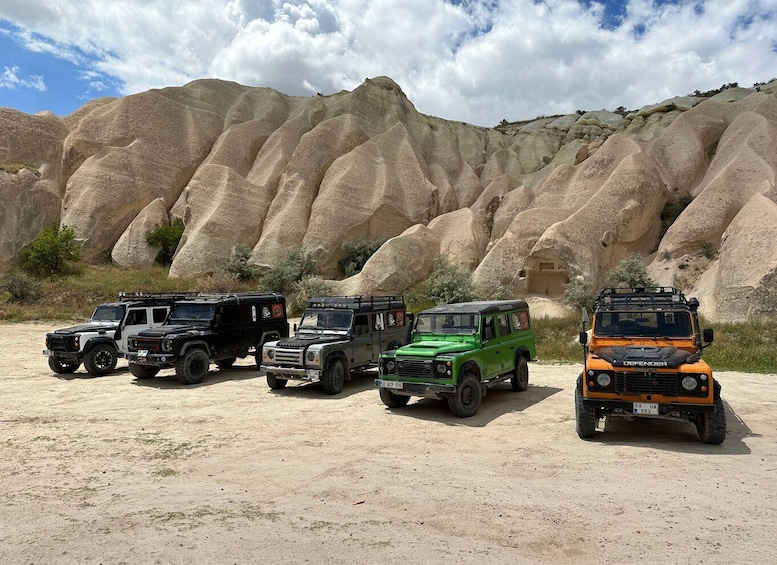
(226, 363)
(275, 383)
(141, 372)
(63, 366)
(712, 425)
(333, 378)
(393, 400)
(465, 402)
(520, 378)
(100, 360)
(192, 367)
(585, 417)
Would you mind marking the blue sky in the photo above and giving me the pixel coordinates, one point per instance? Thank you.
(477, 61)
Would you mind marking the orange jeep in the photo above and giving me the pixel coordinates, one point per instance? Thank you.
(644, 360)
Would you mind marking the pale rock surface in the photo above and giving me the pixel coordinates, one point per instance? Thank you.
(132, 249)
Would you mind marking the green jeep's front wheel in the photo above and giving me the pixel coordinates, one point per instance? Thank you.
(392, 399)
(465, 402)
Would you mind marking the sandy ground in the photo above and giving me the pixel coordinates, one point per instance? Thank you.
(112, 470)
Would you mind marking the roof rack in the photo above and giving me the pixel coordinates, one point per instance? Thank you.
(359, 303)
(151, 296)
(643, 298)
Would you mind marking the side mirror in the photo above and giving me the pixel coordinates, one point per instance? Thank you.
(583, 338)
(709, 335)
(294, 327)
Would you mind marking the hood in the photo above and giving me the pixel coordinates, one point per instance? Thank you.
(172, 331)
(107, 328)
(432, 348)
(306, 340)
(646, 356)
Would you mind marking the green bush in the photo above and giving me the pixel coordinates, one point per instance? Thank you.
(19, 287)
(449, 283)
(579, 293)
(53, 252)
(357, 252)
(295, 266)
(166, 237)
(305, 289)
(237, 264)
(631, 272)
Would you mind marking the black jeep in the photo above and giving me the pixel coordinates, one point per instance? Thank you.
(210, 327)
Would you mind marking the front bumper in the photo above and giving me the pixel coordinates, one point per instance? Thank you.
(293, 373)
(415, 389)
(74, 355)
(664, 409)
(152, 359)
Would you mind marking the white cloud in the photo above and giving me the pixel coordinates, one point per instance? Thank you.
(10, 79)
(472, 60)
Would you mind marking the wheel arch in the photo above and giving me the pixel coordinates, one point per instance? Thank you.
(100, 340)
(472, 367)
(198, 344)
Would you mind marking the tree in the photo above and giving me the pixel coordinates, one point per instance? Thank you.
(295, 266)
(52, 252)
(357, 253)
(237, 264)
(166, 237)
(631, 272)
(449, 283)
(579, 294)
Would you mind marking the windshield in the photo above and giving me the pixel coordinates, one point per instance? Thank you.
(460, 324)
(643, 324)
(326, 320)
(106, 313)
(184, 311)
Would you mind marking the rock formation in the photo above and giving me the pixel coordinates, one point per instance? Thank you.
(527, 206)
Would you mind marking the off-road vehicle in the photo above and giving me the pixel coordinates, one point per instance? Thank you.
(643, 360)
(209, 327)
(337, 335)
(99, 343)
(458, 351)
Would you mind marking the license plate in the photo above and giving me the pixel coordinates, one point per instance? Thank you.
(48, 353)
(649, 408)
(142, 353)
(390, 384)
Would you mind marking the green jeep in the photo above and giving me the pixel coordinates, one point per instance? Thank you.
(457, 352)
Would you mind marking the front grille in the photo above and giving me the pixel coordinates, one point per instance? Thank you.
(288, 356)
(415, 369)
(56, 343)
(152, 345)
(647, 383)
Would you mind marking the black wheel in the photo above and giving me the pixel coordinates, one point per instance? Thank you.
(712, 425)
(520, 378)
(465, 402)
(392, 399)
(100, 360)
(275, 383)
(585, 417)
(333, 378)
(63, 366)
(192, 367)
(142, 371)
(226, 363)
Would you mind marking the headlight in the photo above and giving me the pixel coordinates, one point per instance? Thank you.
(603, 379)
(390, 366)
(167, 345)
(311, 356)
(689, 383)
(132, 344)
(271, 354)
(441, 369)
(77, 342)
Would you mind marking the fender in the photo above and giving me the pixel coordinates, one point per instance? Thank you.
(470, 366)
(271, 335)
(97, 341)
(336, 355)
(201, 344)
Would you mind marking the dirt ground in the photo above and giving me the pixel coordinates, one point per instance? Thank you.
(113, 470)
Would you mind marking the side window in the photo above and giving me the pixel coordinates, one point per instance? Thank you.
(380, 323)
(489, 332)
(504, 324)
(229, 314)
(137, 317)
(520, 320)
(362, 324)
(159, 315)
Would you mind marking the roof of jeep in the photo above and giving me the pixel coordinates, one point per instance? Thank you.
(650, 298)
(484, 307)
(357, 303)
(235, 298)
